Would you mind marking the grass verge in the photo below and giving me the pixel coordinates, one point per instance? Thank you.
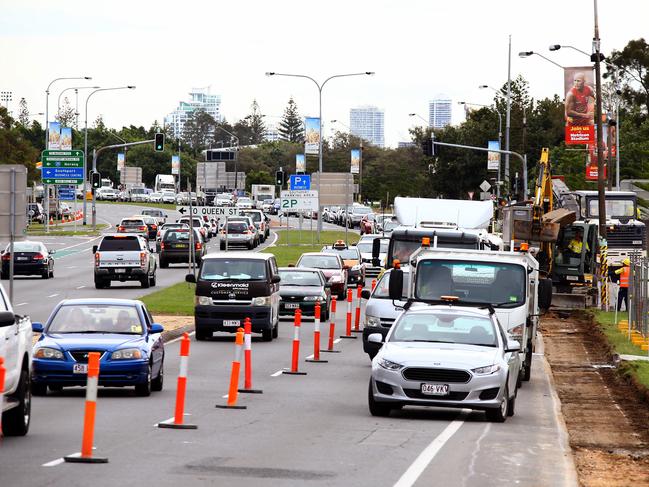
(66, 231)
(174, 300)
(300, 242)
(638, 370)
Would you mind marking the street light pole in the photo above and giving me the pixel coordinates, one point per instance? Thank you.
(85, 148)
(601, 182)
(320, 87)
(236, 156)
(509, 109)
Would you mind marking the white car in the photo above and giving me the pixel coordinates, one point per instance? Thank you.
(168, 197)
(446, 355)
(108, 194)
(155, 198)
(244, 202)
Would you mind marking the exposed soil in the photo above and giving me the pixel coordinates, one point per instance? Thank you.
(606, 415)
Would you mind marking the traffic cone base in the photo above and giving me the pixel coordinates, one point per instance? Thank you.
(349, 336)
(289, 372)
(225, 406)
(79, 459)
(331, 351)
(174, 426)
(319, 361)
(252, 391)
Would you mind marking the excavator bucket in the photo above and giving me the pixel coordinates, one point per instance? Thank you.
(548, 232)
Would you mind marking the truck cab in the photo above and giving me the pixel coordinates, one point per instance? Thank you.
(16, 352)
(507, 281)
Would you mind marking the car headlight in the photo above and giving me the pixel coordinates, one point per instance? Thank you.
(126, 354)
(48, 353)
(261, 301)
(372, 321)
(389, 365)
(312, 298)
(203, 300)
(486, 370)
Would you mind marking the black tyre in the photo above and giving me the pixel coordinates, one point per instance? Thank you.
(15, 422)
(511, 405)
(145, 282)
(545, 293)
(267, 335)
(222, 246)
(52, 273)
(527, 366)
(376, 408)
(4, 276)
(251, 245)
(39, 389)
(163, 263)
(158, 382)
(144, 389)
(99, 284)
(152, 280)
(499, 414)
(45, 275)
(276, 329)
(202, 335)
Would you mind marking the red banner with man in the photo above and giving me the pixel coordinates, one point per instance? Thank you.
(579, 105)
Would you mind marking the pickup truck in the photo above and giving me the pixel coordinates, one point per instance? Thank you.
(124, 257)
(16, 352)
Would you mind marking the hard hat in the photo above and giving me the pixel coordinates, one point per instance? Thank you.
(626, 262)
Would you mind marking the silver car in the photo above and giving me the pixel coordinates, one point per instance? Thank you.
(238, 232)
(446, 356)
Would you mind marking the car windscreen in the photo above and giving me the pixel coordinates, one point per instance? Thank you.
(132, 223)
(365, 246)
(96, 318)
(346, 254)
(300, 278)
(501, 284)
(25, 247)
(319, 262)
(116, 244)
(237, 227)
(233, 269)
(256, 216)
(176, 235)
(445, 328)
(361, 211)
(382, 290)
(152, 212)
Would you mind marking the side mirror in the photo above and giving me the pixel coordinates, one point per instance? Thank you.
(396, 284)
(94, 249)
(366, 293)
(156, 328)
(51, 252)
(37, 327)
(375, 338)
(275, 279)
(190, 278)
(513, 346)
(7, 318)
(376, 248)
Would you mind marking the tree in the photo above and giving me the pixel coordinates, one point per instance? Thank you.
(14, 148)
(23, 113)
(633, 69)
(256, 124)
(66, 115)
(199, 130)
(291, 128)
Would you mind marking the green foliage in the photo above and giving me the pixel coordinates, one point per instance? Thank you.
(633, 69)
(15, 147)
(291, 128)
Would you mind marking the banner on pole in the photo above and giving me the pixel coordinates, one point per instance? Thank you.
(579, 105)
(356, 161)
(121, 161)
(493, 158)
(312, 135)
(66, 138)
(175, 165)
(54, 136)
(300, 163)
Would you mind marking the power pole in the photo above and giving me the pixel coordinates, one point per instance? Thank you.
(601, 182)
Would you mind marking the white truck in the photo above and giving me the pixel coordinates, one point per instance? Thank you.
(164, 181)
(507, 281)
(124, 257)
(16, 352)
(261, 192)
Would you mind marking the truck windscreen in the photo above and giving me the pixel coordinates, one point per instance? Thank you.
(617, 208)
(402, 249)
(501, 284)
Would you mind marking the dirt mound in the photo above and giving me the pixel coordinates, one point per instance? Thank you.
(607, 420)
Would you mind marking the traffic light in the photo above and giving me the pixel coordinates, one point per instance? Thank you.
(159, 144)
(95, 180)
(280, 178)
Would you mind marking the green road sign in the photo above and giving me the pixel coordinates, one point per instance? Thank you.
(62, 158)
(61, 181)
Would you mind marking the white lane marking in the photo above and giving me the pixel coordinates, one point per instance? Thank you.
(338, 340)
(310, 357)
(71, 267)
(177, 339)
(54, 463)
(53, 295)
(80, 287)
(170, 420)
(279, 372)
(76, 245)
(225, 396)
(21, 304)
(425, 457)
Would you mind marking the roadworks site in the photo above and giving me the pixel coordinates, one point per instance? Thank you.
(604, 405)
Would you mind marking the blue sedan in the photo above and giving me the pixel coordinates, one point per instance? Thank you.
(121, 330)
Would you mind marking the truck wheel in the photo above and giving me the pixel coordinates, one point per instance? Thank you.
(276, 329)
(152, 280)
(15, 422)
(267, 335)
(527, 366)
(99, 284)
(163, 263)
(545, 293)
(202, 335)
(145, 282)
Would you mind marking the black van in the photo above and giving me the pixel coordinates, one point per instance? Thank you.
(233, 286)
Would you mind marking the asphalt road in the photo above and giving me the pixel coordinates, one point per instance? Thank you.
(303, 430)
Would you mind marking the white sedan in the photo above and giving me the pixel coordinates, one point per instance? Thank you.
(445, 356)
(155, 197)
(168, 197)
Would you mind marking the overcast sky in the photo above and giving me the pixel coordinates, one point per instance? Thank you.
(418, 49)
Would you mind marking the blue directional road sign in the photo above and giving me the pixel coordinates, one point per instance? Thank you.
(66, 193)
(62, 175)
(299, 182)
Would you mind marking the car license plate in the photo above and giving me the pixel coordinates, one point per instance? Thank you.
(434, 389)
(120, 271)
(292, 305)
(572, 278)
(231, 322)
(80, 368)
(22, 258)
(181, 246)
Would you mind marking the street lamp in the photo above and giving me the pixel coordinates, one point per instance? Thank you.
(320, 87)
(524, 54)
(76, 94)
(417, 115)
(85, 144)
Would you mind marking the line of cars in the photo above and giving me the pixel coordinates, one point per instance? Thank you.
(361, 217)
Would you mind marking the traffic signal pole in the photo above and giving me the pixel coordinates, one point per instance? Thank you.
(95, 155)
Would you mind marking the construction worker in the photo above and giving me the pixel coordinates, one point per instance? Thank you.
(623, 294)
(576, 244)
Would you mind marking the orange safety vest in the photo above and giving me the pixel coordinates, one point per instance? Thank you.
(624, 277)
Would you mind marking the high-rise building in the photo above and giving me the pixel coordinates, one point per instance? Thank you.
(367, 122)
(272, 133)
(439, 112)
(200, 99)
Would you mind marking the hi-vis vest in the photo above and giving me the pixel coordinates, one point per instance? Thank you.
(624, 276)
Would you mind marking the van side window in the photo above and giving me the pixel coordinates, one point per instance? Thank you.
(273, 267)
